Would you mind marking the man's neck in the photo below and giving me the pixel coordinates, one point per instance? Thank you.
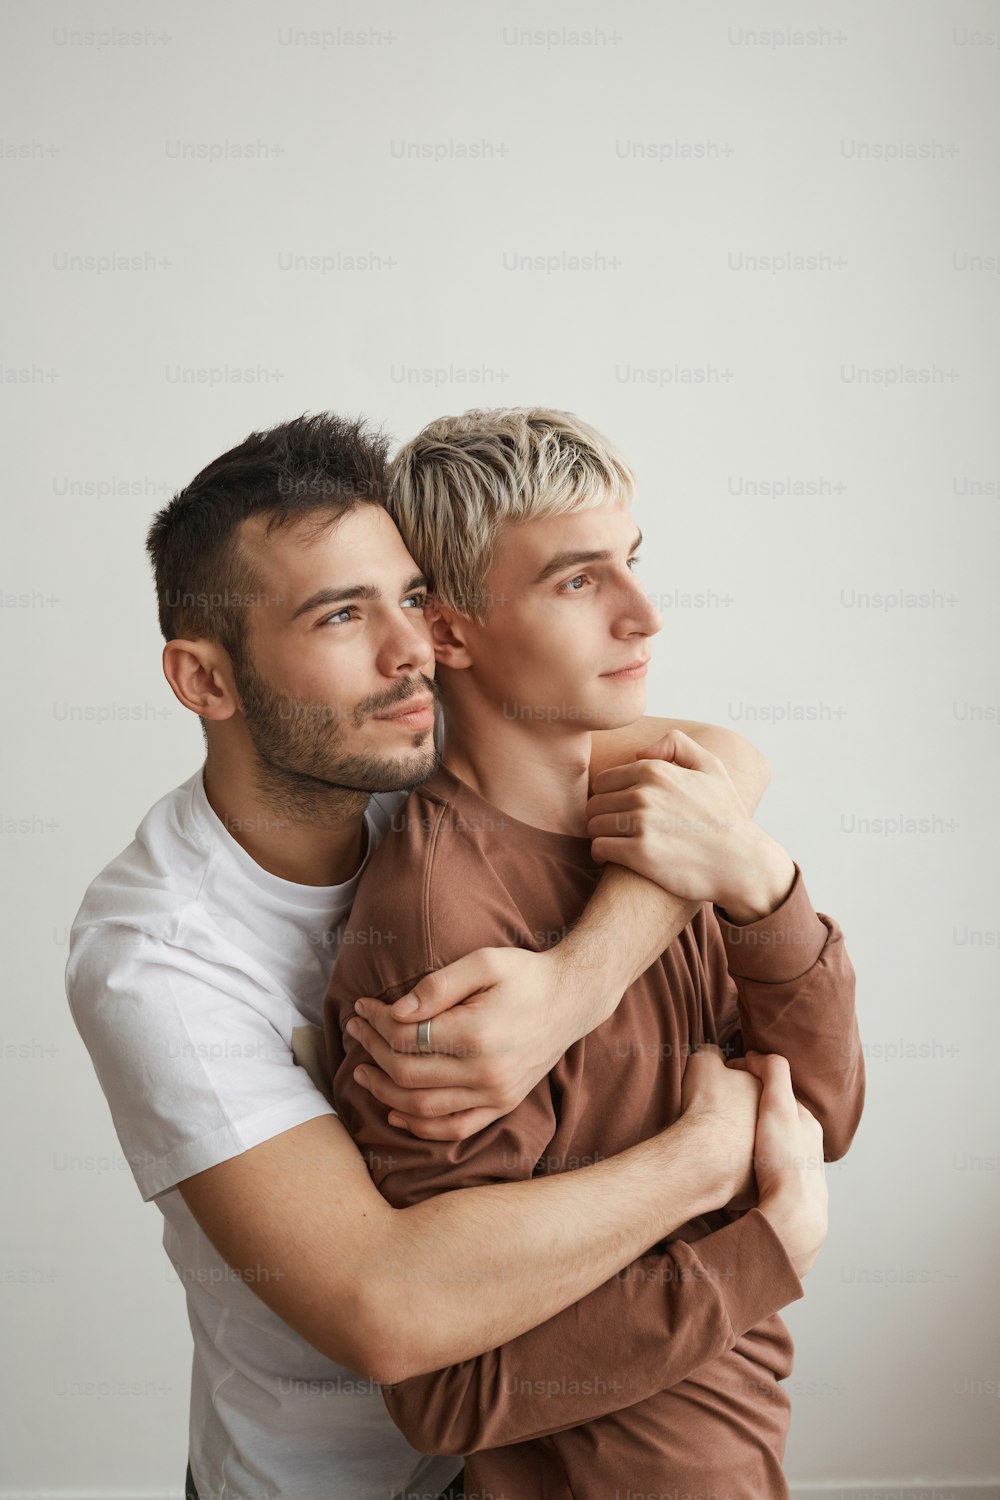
(534, 770)
(324, 847)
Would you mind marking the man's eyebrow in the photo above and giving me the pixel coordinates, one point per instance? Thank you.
(323, 598)
(574, 559)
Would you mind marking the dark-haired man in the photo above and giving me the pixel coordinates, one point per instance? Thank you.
(666, 1381)
(294, 625)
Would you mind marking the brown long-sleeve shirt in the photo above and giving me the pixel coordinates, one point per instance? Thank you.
(578, 1405)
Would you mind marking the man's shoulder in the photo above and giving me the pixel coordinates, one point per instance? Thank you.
(154, 876)
(428, 895)
(412, 828)
(386, 926)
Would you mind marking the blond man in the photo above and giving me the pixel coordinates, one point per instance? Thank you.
(668, 1377)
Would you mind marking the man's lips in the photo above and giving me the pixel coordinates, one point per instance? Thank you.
(413, 713)
(633, 669)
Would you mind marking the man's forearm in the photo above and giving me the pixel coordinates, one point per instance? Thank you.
(627, 923)
(642, 1332)
(476, 1268)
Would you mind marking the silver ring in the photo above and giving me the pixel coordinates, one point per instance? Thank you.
(424, 1037)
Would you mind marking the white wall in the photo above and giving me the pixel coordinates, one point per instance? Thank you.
(896, 1372)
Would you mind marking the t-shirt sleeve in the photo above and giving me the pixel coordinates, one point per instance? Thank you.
(188, 1054)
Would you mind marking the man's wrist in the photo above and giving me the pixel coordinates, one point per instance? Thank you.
(696, 1174)
(785, 1219)
(583, 983)
(770, 877)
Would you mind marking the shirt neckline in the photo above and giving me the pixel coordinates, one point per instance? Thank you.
(315, 897)
(474, 808)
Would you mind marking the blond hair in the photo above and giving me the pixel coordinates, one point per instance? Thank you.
(459, 482)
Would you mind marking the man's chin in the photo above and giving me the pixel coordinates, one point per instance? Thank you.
(625, 703)
(615, 710)
(406, 772)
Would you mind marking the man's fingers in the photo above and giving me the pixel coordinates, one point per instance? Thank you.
(418, 1104)
(776, 1076)
(450, 1127)
(409, 1070)
(615, 851)
(446, 987)
(661, 749)
(451, 1032)
(619, 779)
(681, 750)
(375, 1015)
(613, 802)
(755, 1061)
(620, 824)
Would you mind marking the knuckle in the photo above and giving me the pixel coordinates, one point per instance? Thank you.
(461, 1042)
(429, 987)
(393, 1035)
(496, 962)
(402, 1073)
(488, 1042)
(493, 1078)
(379, 1085)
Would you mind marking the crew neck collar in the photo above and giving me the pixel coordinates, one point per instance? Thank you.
(474, 809)
(318, 897)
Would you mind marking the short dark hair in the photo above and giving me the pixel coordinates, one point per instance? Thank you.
(311, 467)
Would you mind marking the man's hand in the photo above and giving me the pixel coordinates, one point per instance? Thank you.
(721, 1102)
(788, 1161)
(675, 817)
(489, 1050)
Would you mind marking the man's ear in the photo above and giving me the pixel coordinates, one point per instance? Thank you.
(449, 632)
(200, 675)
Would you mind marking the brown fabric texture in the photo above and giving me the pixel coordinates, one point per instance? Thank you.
(666, 1377)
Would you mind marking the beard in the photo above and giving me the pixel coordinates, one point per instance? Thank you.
(302, 747)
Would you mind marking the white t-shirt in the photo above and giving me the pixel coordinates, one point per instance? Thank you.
(190, 968)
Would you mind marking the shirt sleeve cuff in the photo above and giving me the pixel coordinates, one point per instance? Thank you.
(777, 948)
(750, 1269)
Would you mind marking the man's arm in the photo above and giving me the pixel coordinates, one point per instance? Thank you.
(791, 988)
(787, 982)
(648, 1329)
(494, 1400)
(510, 1015)
(274, 1181)
(394, 1292)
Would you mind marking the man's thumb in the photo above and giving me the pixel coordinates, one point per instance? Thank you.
(441, 989)
(681, 749)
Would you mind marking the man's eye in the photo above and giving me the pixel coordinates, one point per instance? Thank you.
(568, 588)
(417, 601)
(633, 560)
(337, 616)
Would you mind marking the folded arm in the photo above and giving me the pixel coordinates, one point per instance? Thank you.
(646, 1329)
(508, 1014)
(787, 983)
(393, 1292)
(776, 969)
